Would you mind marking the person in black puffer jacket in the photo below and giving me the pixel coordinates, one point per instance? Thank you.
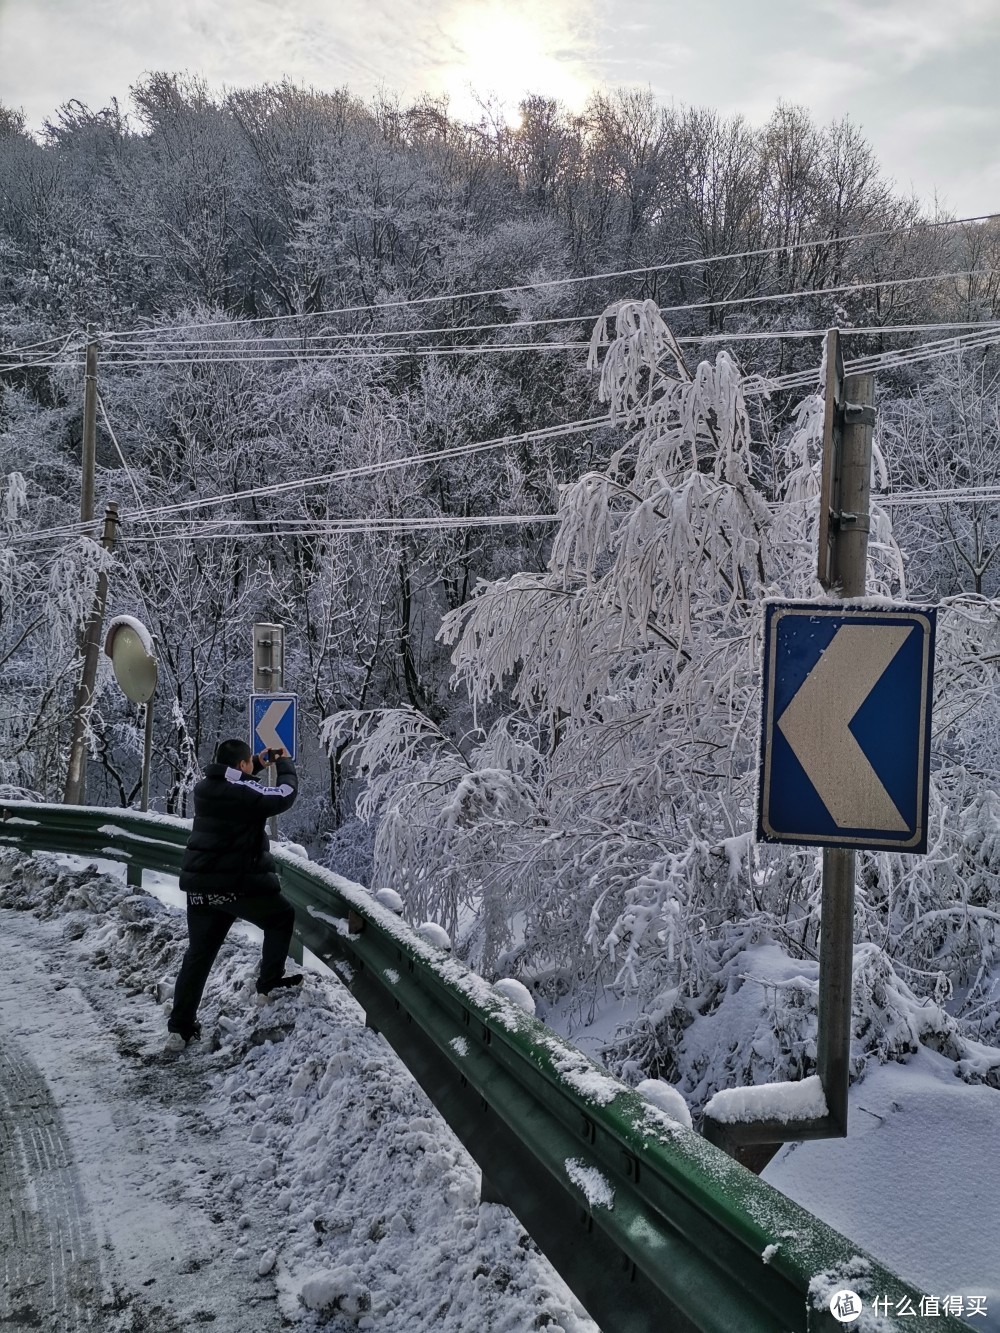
(228, 873)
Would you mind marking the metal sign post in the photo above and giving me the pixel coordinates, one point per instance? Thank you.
(268, 659)
(268, 677)
(814, 746)
(848, 571)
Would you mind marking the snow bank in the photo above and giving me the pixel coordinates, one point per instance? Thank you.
(804, 1100)
(358, 1204)
(916, 1180)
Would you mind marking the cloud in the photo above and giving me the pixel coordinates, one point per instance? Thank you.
(514, 47)
(51, 50)
(886, 32)
(903, 69)
(823, 83)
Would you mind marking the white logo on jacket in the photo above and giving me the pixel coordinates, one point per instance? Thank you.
(238, 776)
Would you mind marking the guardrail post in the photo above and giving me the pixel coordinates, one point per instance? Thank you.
(488, 1192)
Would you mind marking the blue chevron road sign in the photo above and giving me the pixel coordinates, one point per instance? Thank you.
(274, 722)
(845, 731)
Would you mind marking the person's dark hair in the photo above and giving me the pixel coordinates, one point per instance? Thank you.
(231, 752)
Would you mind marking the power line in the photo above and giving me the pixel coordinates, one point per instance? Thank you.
(942, 495)
(493, 348)
(278, 528)
(111, 344)
(310, 341)
(45, 360)
(828, 291)
(816, 242)
(753, 387)
(343, 354)
(63, 338)
(392, 464)
(756, 386)
(366, 469)
(376, 354)
(479, 349)
(328, 527)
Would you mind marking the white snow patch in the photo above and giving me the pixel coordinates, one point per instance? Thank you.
(597, 1189)
(292, 848)
(667, 1098)
(460, 1046)
(802, 1100)
(137, 627)
(434, 934)
(516, 992)
(577, 1071)
(390, 900)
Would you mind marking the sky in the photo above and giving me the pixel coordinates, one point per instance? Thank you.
(917, 75)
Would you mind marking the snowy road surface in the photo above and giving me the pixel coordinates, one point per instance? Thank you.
(288, 1172)
(285, 1173)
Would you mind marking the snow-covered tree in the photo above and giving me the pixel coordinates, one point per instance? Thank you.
(617, 792)
(596, 834)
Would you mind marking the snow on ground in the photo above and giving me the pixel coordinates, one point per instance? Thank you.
(289, 1173)
(286, 1172)
(917, 1180)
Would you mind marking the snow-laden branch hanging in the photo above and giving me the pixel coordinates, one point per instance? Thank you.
(597, 831)
(674, 522)
(630, 664)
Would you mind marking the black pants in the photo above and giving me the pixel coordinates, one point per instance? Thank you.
(208, 928)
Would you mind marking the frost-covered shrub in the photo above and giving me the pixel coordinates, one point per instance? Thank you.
(600, 828)
(755, 1022)
(599, 825)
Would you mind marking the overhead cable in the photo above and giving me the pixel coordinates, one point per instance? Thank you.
(667, 266)
(366, 469)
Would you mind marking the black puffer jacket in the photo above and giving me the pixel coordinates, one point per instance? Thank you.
(228, 850)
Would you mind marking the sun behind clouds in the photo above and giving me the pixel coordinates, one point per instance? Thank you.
(507, 50)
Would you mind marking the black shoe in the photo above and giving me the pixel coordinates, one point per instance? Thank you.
(177, 1041)
(283, 983)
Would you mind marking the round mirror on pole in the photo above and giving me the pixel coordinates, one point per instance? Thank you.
(129, 644)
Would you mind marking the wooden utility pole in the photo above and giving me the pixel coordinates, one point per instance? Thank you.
(147, 753)
(76, 786)
(847, 521)
(843, 560)
(89, 429)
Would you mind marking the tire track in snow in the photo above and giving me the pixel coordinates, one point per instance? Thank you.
(50, 1258)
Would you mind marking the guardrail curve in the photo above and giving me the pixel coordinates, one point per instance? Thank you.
(653, 1228)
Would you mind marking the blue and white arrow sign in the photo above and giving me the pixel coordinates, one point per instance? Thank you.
(274, 722)
(845, 733)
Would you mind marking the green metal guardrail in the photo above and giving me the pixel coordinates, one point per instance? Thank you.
(653, 1228)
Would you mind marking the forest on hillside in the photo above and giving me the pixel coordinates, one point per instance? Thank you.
(360, 374)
